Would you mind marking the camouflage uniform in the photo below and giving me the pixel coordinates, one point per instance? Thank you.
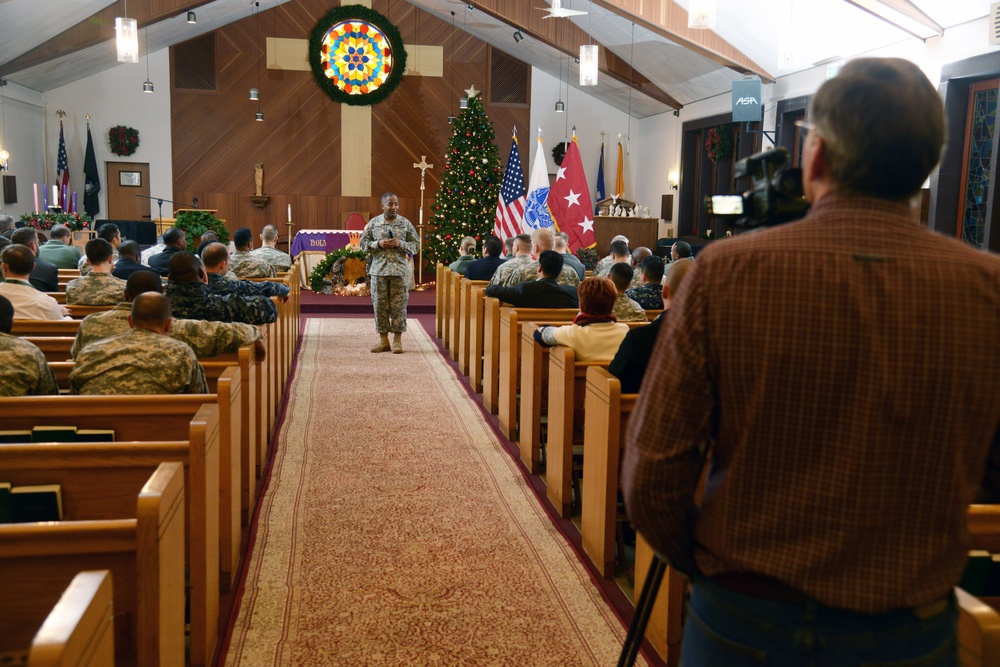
(246, 265)
(24, 371)
(603, 266)
(523, 272)
(85, 267)
(649, 296)
(222, 286)
(389, 270)
(95, 289)
(511, 267)
(627, 310)
(195, 301)
(207, 339)
(281, 261)
(138, 362)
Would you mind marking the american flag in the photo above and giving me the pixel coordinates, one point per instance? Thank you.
(510, 208)
(62, 172)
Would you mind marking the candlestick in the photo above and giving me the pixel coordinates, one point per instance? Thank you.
(55, 195)
(36, 196)
(289, 213)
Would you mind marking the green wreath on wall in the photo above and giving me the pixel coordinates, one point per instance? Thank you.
(357, 55)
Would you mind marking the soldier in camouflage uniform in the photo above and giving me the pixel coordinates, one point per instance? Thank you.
(512, 274)
(142, 361)
(649, 294)
(619, 253)
(518, 257)
(110, 233)
(99, 287)
(245, 265)
(389, 238)
(192, 298)
(24, 371)
(625, 309)
(281, 261)
(216, 259)
(207, 339)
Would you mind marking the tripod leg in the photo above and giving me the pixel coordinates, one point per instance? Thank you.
(643, 609)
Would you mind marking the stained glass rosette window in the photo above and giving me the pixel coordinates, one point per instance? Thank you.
(357, 55)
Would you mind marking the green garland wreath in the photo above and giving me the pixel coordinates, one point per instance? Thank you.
(322, 269)
(356, 12)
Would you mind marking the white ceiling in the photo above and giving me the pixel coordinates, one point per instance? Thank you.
(821, 30)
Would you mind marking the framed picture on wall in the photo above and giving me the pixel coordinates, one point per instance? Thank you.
(132, 179)
(10, 189)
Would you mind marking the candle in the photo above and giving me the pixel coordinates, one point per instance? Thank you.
(65, 204)
(74, 201)
(289, 213)
(45, 197)
(36, 197)
(55, 195)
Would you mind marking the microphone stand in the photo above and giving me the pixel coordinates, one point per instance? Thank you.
(160, 200)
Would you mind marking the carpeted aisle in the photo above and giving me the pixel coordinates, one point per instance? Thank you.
(396, 530)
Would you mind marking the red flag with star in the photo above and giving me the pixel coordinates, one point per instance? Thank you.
(569, 201)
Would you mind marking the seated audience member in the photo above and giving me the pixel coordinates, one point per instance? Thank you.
(626, 310)
(16, 262)
(207, 339)
(174, 243)
(129, 255)
(4, 242)
(7, 226)
(544, 292)
(24, 371)
(45, 276)
(281, 261)
(649, 294)
(99, 287)
(681, 250)
(155, 249)
(207, 238)
(110, 233)
(629, 364)
(243, 263)
(142, 361)
(594, 334)
(638, 256)
(512, 273)
(508, 246)
(60, 249)
(619, 255)
(483, 269)
(216, 260)
(518, 258)
(466, 255)
(603, 264)
(192, 298)
(571, 260)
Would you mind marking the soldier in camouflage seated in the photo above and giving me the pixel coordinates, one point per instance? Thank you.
(281, 261)
(625, 309)
(216, 259)
(99, 287)
(192, 298)
(24, 371)
(143, 361)
(207, 339)
(541, 240)
(649, 294)
(243, 263)
(110, 233)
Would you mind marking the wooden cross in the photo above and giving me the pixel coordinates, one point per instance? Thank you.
(423, 167)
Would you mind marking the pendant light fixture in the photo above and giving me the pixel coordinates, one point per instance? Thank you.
(147, 85)
(255, 92)
(451, 116)
(589, 55)
(560, 106)
(463, 101)
(127, 38)
(4, 155)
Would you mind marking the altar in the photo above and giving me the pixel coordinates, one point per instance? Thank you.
(322, 240)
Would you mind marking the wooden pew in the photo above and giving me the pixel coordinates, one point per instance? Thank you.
(135, 530)
(38, 328)
(439, 301)
(192, 419)
(509, 357)
(491, 353)
(466, 306)
(978, 632)
(79, 631)
(454, 280)
(566, 399)
(60, 297)
(666, 619)
(55, 348)
(446, 302)
(78, 312)
(477, 295)
(606, 414)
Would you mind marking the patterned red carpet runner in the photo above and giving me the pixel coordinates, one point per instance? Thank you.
(396, 530)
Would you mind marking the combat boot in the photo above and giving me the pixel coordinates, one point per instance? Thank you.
(383, 344)
(397, 344)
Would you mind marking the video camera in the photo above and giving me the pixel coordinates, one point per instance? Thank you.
(775, 195)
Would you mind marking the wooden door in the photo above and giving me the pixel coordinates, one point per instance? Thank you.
(126, 180)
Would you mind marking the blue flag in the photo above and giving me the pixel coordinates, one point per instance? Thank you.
(600, 180)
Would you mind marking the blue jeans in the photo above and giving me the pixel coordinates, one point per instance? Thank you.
(729, 629)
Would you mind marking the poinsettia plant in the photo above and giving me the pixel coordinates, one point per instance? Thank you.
(123, 140)
(719, 143)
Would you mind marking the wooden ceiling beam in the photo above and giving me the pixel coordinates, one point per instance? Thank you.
(669, 20)
(565, 37)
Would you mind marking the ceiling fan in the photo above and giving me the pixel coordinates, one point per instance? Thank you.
(556, 11)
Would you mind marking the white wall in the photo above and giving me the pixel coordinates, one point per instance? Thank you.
(24, 138)
(114, 97)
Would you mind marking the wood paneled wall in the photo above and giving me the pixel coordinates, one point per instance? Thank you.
(217, 142)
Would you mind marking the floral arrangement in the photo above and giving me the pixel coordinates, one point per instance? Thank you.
(45, 221)
(196, 223)
(719, 143)
(322, 270)
(588, 256)
(123, 140)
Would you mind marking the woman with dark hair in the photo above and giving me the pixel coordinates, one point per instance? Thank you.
(595, 333)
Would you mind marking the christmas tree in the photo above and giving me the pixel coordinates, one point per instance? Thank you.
(470, 185)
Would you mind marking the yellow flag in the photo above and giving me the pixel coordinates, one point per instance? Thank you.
(620, 177)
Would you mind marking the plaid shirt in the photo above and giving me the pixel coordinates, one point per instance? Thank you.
(852, 398)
